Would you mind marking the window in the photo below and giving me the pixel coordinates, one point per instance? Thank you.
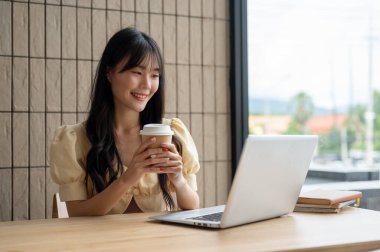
(313, 69)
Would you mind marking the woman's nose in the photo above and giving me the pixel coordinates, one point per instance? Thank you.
(146, 81)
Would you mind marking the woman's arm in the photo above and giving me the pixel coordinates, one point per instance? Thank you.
(102, 202)
(187, 198)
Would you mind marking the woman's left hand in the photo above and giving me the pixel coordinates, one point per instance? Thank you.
(173, 167)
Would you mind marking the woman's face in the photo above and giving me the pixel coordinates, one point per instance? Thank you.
(133, 88)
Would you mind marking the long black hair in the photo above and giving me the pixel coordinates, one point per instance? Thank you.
(136, 46)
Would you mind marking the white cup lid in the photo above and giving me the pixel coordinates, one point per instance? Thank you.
(155, 129)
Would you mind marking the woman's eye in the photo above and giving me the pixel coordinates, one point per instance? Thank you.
(136, 72)
(155, 75)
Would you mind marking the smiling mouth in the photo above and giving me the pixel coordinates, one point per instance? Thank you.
(139, 97)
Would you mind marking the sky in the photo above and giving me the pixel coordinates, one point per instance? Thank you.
(320, 47)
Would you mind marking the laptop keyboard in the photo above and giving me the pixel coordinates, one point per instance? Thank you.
(208, 217)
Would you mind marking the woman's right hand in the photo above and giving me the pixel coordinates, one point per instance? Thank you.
(142, 162)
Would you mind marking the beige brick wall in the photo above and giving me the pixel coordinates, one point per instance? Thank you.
(49, 51)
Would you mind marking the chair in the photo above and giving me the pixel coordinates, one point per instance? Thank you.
(59, 208)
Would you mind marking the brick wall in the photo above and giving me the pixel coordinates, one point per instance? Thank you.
(49, 50)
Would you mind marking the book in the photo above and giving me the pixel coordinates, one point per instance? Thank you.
(335, 208)
(338, 205)
(316, 210)
(327, 197)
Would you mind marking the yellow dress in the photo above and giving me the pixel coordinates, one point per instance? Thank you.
(68, 153)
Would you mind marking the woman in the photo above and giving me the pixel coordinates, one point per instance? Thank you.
(102, 165)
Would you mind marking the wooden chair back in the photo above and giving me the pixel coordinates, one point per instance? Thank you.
(59, 208)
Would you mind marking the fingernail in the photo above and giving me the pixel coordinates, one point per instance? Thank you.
(165, 149)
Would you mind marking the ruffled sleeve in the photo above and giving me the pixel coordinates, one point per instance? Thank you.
(67, 161)
(189, 152)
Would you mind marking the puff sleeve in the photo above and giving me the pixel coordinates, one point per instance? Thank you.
(67, 161)
(189, 152)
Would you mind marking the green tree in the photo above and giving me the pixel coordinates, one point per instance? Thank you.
(356, 127)
(330, 143)
(303, 108)
(376, 128)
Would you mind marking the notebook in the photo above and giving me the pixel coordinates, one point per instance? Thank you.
(267, 183)
(327, 197)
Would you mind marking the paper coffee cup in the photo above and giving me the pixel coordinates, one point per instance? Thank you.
(161, 132)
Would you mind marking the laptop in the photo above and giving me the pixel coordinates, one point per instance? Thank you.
(267, 183)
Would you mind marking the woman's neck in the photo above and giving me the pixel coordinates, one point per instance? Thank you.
(127, 122)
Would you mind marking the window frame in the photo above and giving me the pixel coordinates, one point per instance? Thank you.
(238, 79)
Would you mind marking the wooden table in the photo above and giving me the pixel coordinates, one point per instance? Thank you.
(351, 230)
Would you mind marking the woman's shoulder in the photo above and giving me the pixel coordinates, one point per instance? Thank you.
(175, 123)
(71, 133)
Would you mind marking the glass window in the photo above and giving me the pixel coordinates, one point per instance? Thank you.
(314, 69)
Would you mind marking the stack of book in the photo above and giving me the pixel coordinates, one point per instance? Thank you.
(326, 201)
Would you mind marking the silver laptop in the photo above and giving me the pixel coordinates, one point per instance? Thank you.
(267, 183)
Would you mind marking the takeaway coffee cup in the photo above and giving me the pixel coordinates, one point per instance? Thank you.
(162, 132)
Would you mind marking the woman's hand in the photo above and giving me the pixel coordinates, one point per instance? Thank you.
(142, 162)
(174, 166)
